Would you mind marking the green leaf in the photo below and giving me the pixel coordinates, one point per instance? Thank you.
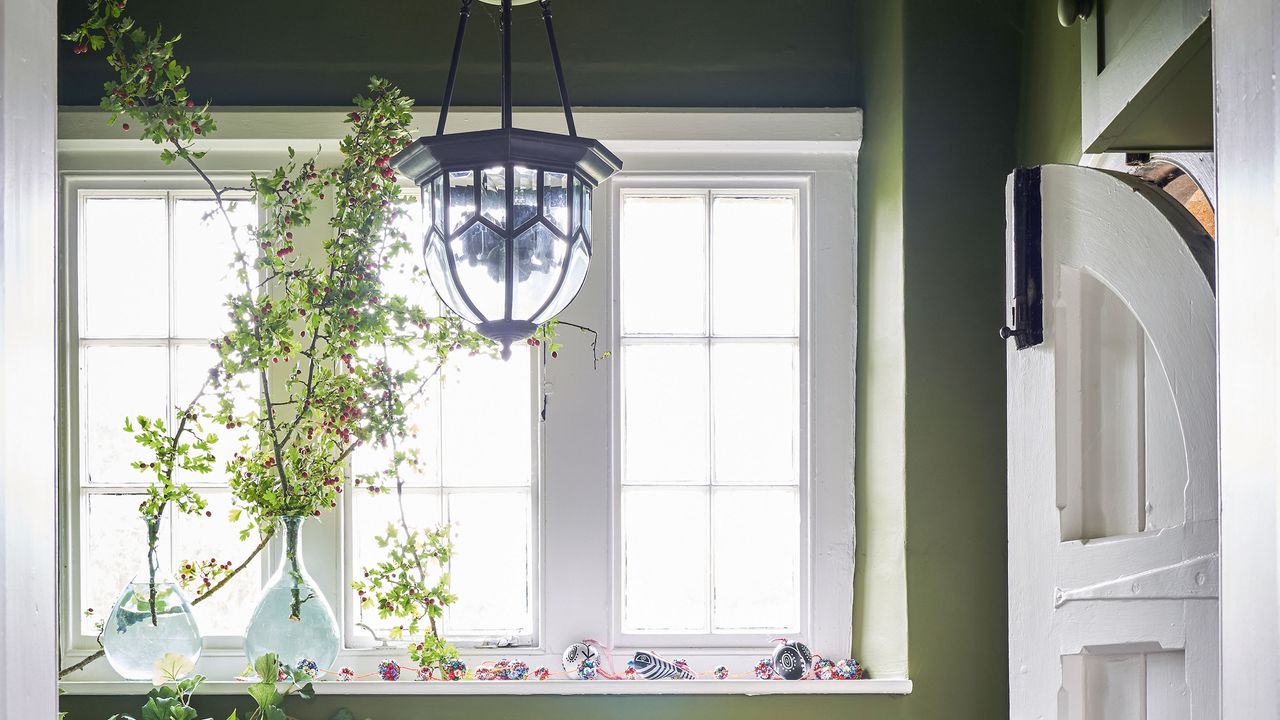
(263, 693)
(306, 692)
(274, 713)
(267, 667)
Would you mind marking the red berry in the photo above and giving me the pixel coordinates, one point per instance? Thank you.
(190, 103)
(125, 127)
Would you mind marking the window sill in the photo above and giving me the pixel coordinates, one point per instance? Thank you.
(878, 686)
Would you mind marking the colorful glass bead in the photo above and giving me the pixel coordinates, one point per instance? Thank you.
(541, 673)
(455, 669)
(389, 670)
(484, 673)
(850, 670)
(309, 667)
(720, 673)
(426, 673)
(823, 669)
(588, 669)
(517, 670)
(764, 669)
(346, 674)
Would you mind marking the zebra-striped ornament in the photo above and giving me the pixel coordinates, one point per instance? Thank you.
(651, 667)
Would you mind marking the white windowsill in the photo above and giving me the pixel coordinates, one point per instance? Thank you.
(885, 686)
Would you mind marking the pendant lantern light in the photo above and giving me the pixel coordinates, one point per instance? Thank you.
(508, 231)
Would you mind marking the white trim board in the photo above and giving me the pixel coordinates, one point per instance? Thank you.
(28, 360)
(757, 130)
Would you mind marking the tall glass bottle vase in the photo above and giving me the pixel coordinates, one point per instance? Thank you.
(292, 618)
(151, 618)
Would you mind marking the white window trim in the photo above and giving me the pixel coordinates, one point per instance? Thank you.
(819, 146)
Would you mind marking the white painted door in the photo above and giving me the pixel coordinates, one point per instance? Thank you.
(1112, 497)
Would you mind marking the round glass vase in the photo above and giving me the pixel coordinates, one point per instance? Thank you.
(151, 619)
(292, 618)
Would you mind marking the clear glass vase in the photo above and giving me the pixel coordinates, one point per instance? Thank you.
(292, 618)
(151, 619)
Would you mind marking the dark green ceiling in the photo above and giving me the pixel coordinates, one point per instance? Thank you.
(731, 53)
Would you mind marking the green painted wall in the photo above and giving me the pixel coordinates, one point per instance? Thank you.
(941, 95)
(640, 53)
(1049, 117)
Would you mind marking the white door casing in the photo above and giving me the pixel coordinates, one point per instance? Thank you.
(1112, 456)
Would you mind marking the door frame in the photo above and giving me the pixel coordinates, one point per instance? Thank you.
(1248, 220)
(28, 359)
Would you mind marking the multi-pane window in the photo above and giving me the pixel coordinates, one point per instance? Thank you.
(712, 443)
(476, 434)
(151, 273)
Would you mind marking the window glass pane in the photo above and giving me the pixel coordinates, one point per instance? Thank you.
(488, 419)
(754, 266)
(203, 251)
(490, 568)
(665, 401)
(757, 558)
(370, 517)
(665, 558)
(125, 268)
(405, 275)
(422, 414)
(114, 542)
(204, 538)
(664, 265)
(119, 382)
(756, 412)
(191, 366)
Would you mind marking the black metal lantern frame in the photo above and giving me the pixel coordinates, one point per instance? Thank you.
(508, 239)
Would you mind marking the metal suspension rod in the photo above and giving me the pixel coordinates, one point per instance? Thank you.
(464, 14)
(555, 59)
(506, 64)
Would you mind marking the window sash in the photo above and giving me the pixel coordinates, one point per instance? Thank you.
(709, 186)
(77, 191)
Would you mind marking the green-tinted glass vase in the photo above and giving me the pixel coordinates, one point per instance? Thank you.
(151, 618)
(292, 618)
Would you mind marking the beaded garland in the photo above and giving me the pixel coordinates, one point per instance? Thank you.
(589, 668)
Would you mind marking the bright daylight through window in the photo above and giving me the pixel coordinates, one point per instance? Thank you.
(711, 432)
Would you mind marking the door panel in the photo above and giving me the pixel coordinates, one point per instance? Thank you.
(1112, 457)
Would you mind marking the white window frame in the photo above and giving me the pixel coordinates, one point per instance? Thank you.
(798, 188)
(576, 502)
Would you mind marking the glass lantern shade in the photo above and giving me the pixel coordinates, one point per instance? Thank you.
(508, 222)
